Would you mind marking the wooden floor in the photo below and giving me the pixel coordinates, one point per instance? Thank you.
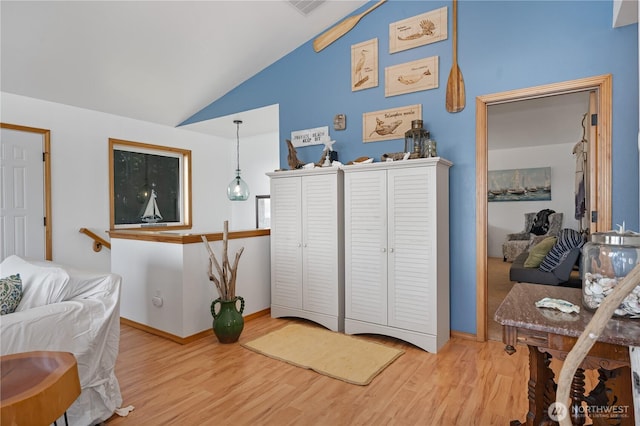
(498, 286)
(208, 383)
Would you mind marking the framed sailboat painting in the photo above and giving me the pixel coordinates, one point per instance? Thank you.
(149, 186)
(532, 184)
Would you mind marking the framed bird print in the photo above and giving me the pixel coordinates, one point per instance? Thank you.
(411, 77)
(389, 124)
(364, 65)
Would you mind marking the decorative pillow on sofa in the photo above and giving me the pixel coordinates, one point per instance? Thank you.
(539, 251)
(10, 293)
(568, 239)
(40, 285)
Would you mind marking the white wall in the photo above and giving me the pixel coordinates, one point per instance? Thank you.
(79, 171)
(177, 273)
(258, 156)
(508, 216)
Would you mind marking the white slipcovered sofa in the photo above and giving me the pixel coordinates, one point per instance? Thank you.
(69, 310)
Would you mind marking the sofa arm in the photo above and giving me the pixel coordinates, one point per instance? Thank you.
(53, 327)
(518, 236)
(563, 270)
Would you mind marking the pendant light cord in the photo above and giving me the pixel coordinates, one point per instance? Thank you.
(238, 122)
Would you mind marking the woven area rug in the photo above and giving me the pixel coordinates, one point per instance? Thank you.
(348, 358)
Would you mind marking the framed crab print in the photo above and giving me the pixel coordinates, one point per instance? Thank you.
(418, 30)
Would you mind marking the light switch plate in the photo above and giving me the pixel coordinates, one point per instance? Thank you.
(340, 122)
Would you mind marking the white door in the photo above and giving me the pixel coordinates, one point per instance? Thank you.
(22, 210)
(412, 249)
(286, 242)
(365, 225)
(320, 244)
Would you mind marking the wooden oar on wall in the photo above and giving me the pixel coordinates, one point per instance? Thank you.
(337, 31)
(455, 85)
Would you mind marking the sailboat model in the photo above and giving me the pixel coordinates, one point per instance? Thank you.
(152, 212)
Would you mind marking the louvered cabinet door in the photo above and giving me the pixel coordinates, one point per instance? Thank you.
(366, 246)
(397, 250)
(307, 245)
(286, 242)
(320, 244)
(412, 275)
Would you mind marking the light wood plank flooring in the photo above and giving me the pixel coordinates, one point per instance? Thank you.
(207, 383)
(498, 286)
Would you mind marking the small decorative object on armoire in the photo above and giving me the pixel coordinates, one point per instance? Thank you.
(431, 149)
(415, 140)
(227, 319)
(238, 190)
(292, 157)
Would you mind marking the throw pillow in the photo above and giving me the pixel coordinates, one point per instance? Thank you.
(10, 294)
(568, 239)
(41, 285)
(538, 252)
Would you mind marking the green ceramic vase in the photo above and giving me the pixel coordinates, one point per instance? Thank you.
(227, 319)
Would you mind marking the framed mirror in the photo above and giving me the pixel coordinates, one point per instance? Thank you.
(263, 211)
(149, 186)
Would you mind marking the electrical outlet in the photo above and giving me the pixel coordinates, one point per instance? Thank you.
(157, 299)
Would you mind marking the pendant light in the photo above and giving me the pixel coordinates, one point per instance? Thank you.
(238, 189)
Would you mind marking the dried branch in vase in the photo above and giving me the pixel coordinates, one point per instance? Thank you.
(224, 277)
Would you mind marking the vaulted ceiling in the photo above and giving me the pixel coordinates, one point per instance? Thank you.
(158, 61)
(161, 61)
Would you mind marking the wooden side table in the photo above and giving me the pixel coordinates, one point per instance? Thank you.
(36, 388)
(550, 333)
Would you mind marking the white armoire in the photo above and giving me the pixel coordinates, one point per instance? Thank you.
(397, 250)
(307, 245)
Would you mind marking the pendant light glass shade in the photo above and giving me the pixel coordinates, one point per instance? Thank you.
(238, 190)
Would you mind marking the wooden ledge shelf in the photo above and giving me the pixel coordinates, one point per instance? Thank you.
(183, 238)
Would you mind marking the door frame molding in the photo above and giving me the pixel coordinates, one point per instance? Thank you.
(46, 149)
(603, 84)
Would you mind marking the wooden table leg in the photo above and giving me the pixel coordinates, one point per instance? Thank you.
(577, 396)
(541, 388)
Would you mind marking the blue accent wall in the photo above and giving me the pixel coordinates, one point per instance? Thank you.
(502, 45)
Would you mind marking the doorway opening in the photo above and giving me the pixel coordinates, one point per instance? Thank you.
(599, 167)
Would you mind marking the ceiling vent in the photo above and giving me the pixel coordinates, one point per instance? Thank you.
(306, 6)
